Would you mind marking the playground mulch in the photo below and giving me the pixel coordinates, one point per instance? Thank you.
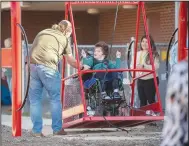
(145, 135)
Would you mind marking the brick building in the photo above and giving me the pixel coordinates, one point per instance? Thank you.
(91, 28)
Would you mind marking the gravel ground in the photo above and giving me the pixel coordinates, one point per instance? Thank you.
(147, 135)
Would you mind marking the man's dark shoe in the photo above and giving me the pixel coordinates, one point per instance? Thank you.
(61, 132)
(39, 135)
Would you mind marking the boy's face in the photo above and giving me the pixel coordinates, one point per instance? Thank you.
(98, 53)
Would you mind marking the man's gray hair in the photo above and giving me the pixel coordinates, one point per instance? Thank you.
(63, 26)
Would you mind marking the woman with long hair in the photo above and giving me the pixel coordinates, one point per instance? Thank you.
(145, 85)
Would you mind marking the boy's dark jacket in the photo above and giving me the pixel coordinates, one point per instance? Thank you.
(101, 64)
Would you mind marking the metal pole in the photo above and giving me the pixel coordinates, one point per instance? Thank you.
(176, 17)
(23, 73)
(176, 26)
(16, 68)
(78, 61)
(64, 62)
(151, 58)
(135, 53)
(182, 31)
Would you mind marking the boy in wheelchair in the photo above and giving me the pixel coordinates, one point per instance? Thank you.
(108, 80)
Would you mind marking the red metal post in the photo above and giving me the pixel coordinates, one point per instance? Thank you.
(78, 61)
(16, 68)
(63, 82)
(151, 56)
(182, 31)
(135, 52)
(64, 62)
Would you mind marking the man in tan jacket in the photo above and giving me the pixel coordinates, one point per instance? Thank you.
(47, 49)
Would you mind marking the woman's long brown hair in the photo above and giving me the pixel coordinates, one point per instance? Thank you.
(153, 46)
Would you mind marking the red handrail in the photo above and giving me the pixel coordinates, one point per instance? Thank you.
(151, 57)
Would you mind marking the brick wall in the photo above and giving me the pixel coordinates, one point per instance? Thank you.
(125, 28)
(161, 23)
(33, 22)
(91, 28)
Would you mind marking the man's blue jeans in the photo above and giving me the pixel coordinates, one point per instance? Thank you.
(48, 78)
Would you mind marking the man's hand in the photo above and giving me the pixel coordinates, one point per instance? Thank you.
(86, 67)
(72, 61)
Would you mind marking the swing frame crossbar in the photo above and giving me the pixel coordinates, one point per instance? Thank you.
(104, 3)
(136, 117)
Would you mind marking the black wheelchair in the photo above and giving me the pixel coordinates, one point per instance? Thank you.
(95, 101)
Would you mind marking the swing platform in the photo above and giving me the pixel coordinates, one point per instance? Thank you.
(138, 118)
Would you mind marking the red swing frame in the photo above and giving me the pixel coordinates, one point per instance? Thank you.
(136, 117)
(11, 58)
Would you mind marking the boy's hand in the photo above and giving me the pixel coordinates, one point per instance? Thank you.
(118, 54)
(83, 54)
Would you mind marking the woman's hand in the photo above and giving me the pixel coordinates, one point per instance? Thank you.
(118, 54)
(140, 66)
